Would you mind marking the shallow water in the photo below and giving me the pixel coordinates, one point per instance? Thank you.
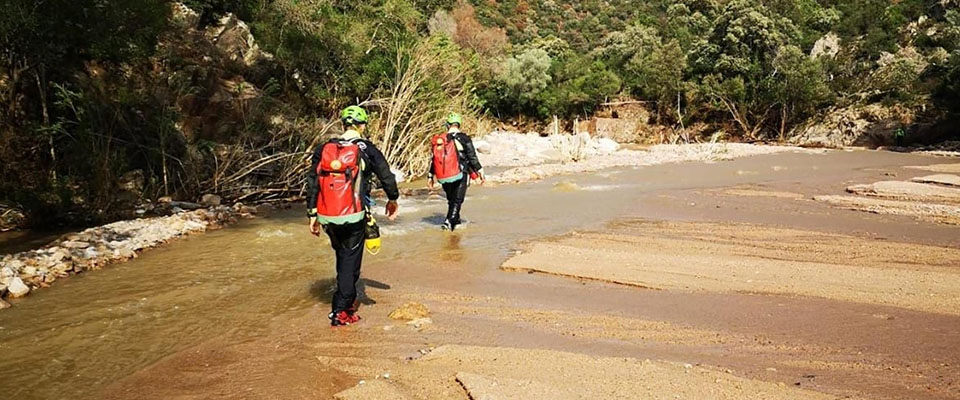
(92, 329)
(87, 331)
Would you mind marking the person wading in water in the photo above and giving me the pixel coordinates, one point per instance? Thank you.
(337, 182)
(454, 164)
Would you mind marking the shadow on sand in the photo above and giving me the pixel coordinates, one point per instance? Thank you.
(322, 290)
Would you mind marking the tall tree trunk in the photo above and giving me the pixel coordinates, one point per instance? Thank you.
(42, 88)
(783, 123)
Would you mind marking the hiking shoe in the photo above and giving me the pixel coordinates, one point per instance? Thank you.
(447, 226)
(343, 318)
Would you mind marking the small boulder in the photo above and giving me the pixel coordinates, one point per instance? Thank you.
(4, 305)
(264, 209)
(14, 264)
(410, 312)
(74, 244)
(482, 146)
(165, 200)
(17, 288)
(210, 200)
(90, 253)
(398, 175)
(57, 254)
(125, 253)
(186, 205)
(607, 146)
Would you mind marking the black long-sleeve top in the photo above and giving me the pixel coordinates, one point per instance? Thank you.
(375, 165)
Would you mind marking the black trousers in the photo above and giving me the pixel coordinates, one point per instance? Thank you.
(347, 243)
(456, 192)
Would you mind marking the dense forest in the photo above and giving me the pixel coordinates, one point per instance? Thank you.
(107, 103)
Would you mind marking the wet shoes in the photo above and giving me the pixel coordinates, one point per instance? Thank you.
(449, 225)
(343, 318)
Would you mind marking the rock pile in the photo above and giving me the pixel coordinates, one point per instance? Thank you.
(870, 125)
(511, 149)
(660, 154)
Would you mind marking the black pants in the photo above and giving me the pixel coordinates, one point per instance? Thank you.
(347, 243)
(456, 192)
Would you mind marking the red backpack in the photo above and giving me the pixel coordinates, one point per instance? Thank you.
(446, 160)
(339, 199)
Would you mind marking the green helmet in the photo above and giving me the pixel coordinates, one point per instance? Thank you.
(454, 118)
(353, 115)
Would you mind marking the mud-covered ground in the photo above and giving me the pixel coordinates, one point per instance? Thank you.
(721, 280)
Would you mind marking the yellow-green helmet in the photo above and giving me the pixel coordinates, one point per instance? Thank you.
(454, 118)
(353, 115)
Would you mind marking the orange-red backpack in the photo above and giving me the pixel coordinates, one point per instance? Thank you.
(339, 200)
(446, 160)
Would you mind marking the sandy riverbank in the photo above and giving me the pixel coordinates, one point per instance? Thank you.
(754, 259)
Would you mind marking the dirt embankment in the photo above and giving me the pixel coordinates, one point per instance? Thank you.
(754, 259)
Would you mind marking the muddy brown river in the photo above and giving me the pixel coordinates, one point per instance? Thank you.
(92, 332)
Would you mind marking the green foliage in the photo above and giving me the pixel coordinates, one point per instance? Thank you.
(116, 80)
(526, 76)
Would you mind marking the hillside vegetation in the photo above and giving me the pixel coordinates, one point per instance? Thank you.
(107, 103)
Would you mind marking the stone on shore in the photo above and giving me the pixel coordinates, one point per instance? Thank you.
(17, 288)
(264, 209)
(210, 200)
(71, 244)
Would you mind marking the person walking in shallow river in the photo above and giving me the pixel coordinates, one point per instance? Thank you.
(455, 163)
(337, 183)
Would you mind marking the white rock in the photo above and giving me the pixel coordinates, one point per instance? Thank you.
(482, 146)
(14, 264)
(399, 175)
(57, 255)
(607, 146)
(90, 253)
(4, 305)
(73, 244)
(124, 253)
(17, 288)
(7, 272)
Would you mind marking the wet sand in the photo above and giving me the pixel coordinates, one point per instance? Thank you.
(743, 258)
(544, 335)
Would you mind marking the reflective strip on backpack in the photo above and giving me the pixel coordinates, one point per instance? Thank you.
(454, 178)
(342, 220)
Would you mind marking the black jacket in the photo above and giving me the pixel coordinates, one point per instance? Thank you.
(375, 165)
(469, 162)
